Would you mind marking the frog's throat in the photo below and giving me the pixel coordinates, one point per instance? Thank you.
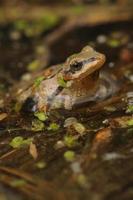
(84, 87)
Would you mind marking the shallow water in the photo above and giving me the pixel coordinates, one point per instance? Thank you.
(108, 127)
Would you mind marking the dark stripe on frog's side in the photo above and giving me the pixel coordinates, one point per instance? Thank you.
(30, 103)
(52, 97)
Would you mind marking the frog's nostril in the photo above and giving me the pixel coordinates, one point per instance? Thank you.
(29, 105)
(92, 59)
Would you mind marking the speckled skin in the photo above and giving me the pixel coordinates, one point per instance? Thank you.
(80, 73)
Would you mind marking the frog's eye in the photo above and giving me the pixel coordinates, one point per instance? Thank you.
(76, 66)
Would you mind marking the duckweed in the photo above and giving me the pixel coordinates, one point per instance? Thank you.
(37, 125)
(34, 28)
(79, 9)
(18, 183)
(53, 126)
(62, 82)
(79, 128)
(129, 109)
(41, 116)
(113, 43)
(38, 81)
(19, 142)
(130, 122)
(69, 141)
(34, 65)
(41, 164)
(69, 156)
(81, 179)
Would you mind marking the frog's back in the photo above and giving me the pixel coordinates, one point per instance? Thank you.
(25, 88)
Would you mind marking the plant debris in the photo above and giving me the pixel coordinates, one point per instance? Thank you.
(3, 116)
(33, 150)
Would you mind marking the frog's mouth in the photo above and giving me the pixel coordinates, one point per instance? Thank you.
(82, 69)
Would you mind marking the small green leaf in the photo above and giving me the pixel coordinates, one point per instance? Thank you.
(19, 142)
(79, 9)
(69, 141)
(69, 156)
(34, 65)
(114, 43)
(16, 142)
(27, 141)
(129, 109)
(81, 179)
(37, 125)
(18, 183)
(130, 122)
(38, 81)
(41, 116)
(62, 82)
(79, 128)
(53, 127)
(41, 164)
(20, 24)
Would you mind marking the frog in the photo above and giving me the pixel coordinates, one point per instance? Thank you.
(66, 85)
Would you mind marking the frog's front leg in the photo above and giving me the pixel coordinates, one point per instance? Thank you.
(68, 102)
(62, 101)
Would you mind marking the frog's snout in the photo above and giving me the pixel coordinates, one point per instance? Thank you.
(101, 58)
(29, 105)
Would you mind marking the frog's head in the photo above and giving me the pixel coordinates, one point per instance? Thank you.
(83, 64)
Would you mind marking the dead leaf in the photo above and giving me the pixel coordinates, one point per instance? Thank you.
(3, 116)
(33, 150)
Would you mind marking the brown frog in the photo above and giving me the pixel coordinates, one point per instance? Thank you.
(74, 82)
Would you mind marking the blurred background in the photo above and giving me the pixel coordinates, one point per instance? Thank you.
(68, 2)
